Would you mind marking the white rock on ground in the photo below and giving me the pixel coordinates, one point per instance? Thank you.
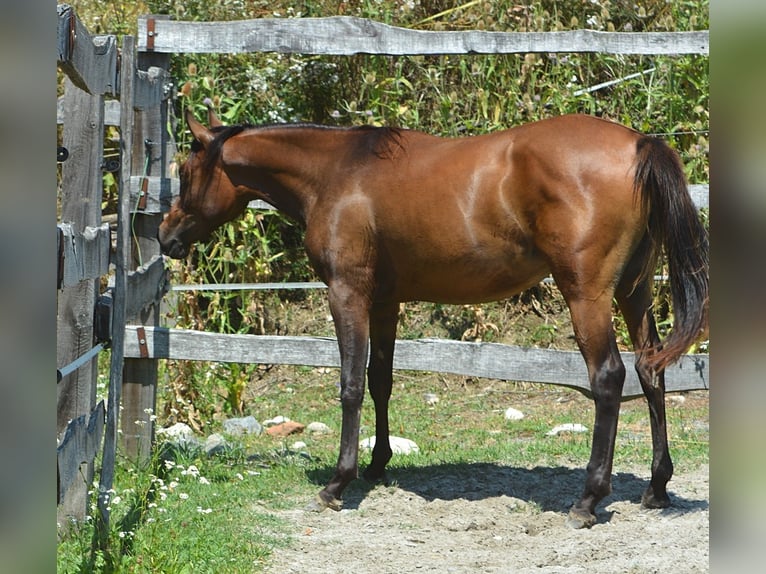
(512, 414)
(398, 444)
(180, 432)
(244, 425)
(277, 420)
(318, 428)
(567, 427)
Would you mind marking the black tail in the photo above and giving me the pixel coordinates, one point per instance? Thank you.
(675, 225)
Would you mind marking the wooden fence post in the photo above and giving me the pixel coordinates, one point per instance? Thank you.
(81, 190)
(122, 256)
(150, 159)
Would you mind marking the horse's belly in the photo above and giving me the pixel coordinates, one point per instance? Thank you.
(463, 284)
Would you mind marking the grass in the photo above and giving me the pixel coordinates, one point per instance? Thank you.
(199, 514)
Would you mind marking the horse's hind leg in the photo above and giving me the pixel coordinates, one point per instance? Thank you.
(635, 304)
(592, 322)
(383, 319)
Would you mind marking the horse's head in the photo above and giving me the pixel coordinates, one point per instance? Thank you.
(208, 198)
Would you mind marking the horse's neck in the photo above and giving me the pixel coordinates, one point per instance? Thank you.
(286, 166)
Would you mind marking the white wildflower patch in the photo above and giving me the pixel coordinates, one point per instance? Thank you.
(191, 471)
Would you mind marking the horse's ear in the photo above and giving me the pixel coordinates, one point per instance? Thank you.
(212, 119)
(200, 132)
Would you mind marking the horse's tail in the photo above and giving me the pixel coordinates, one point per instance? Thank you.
(673, 223)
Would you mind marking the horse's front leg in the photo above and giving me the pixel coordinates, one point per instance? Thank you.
(350, 311)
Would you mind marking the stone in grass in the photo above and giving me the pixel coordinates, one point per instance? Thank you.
(175, 441)
(179, 433)
(398, 444)
(318, 428)
(215, 444)
(277, 420)
(567, 427)
(241, 426)
(512, 414)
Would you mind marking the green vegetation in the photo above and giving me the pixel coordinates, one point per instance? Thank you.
(224, 521)
(191, 513)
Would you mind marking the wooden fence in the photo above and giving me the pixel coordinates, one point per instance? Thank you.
(89, 317)
(137, 340)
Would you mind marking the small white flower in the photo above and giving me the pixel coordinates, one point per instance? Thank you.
(183, 495)
(203, 480)
(192, 470)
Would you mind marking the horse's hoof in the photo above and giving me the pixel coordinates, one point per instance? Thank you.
(652, 500)
(375, 478)
(579, 519)
(319, 504)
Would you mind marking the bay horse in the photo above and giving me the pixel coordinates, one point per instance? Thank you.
(394, 215)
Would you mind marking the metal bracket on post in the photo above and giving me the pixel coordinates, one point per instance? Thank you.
(150, 33)
(143, 349)
(143, 193)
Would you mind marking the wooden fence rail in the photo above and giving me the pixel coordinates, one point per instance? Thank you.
(347, 35)
(491, 360)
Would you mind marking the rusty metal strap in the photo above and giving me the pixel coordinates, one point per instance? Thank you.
(143, 349)
(150, 33)
(143, 193)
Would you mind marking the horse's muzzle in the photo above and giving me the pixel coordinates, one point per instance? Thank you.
(172, 246)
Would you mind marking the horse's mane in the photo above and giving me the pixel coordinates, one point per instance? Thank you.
(382, 142)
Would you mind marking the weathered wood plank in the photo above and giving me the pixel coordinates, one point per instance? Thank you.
(89, 61)
(160, 192)
(151, 87)
(81, 189)
(85, 254)
(491, 360)
(146, 286)
(346, 35)
(122, 257)
(79, 445)
(152, 152)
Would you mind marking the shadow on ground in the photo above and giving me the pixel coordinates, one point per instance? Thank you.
(549, 488)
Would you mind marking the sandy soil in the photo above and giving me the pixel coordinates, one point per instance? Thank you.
(491, 518)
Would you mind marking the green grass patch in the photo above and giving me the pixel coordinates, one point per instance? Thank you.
(191, 513)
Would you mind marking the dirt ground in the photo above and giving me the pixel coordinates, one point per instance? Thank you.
(491, 518)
